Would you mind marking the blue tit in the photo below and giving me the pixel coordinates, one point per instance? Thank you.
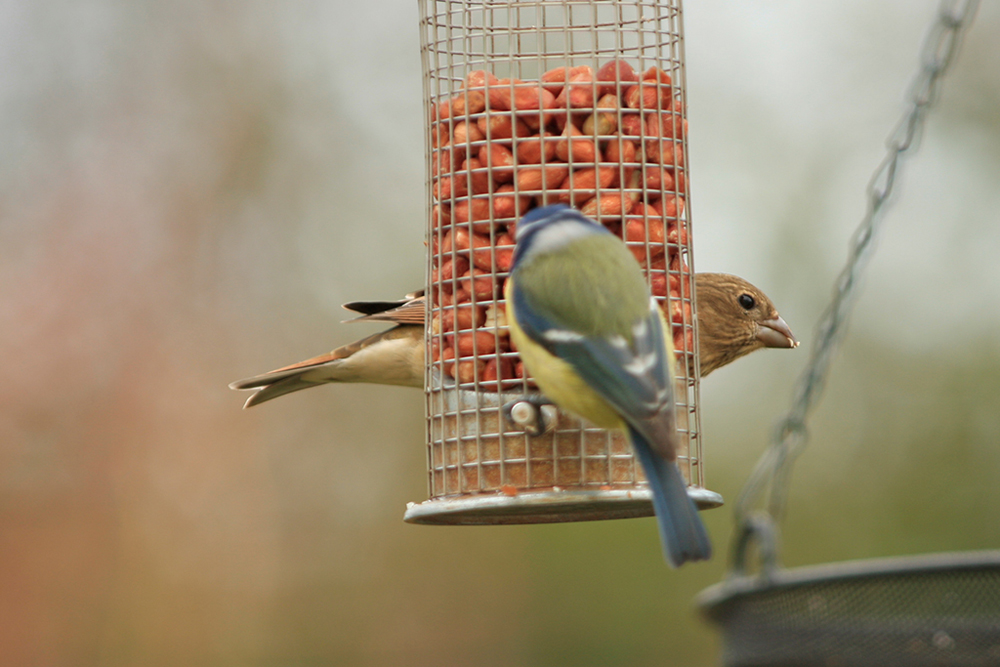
(393, 357)
(595, 341)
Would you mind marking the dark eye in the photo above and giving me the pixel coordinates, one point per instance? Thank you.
(747, 301)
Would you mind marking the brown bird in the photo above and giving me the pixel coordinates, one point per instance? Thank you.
(734, 319)
(392, 357)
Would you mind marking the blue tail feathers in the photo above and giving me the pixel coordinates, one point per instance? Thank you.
(682, 533)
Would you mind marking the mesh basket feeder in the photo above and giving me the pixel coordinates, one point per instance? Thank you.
(937, 610)
(530, 104)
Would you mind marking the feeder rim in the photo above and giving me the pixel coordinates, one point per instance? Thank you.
(713, 599)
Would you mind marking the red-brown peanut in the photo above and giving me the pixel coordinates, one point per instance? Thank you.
(468, 102)
(578, 93)
(670, 206)
(680, 311)
(449, 186)
(440, 136)
(499, 160)
(659, 178)
(441, 111)
(504, 252)
(668, 125)
(615, 70)
(441, 161)
(677, 233)
(531, 150)
(654, 73)
(608, 206)
(481, 252)
(640, 227)
(464, 371)
(555, 80)
(665, 151)
(534, 179)
(450, 268)
(637, 146)
(632, 125)
(648, 96)
(658, 284)
(621, 151)
(471, 210)
(479, 179)
(602, 123)
(480, 342)
(480, 78)
(574, 145)
(440, 215)
(507, 205)
(496, 126)
(583, 184)
(479, 283)
(497, 370)
(525, 97)
(683, 340)
(464, 315)
(466, 132)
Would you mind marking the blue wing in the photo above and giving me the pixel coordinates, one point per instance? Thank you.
(633, 378)
(636, 381)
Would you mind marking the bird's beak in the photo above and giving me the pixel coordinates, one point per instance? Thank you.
(775, 333)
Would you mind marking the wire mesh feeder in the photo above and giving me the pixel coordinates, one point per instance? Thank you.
(529, 104)
(941, 609)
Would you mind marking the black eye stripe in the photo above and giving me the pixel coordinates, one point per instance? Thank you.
(746, 301)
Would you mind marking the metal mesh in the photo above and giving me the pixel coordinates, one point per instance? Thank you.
(929, 610)
(508, 130)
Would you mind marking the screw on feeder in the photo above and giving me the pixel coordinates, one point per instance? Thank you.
(536, 416)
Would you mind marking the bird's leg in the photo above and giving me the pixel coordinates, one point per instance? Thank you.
(535, 414)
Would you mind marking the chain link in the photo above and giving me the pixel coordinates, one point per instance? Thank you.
(790, 435)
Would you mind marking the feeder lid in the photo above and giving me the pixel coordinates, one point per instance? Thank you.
(938, 609)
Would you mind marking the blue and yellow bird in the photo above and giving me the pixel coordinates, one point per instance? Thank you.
(588, 331)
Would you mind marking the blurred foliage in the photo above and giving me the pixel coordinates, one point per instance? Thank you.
(189, 190)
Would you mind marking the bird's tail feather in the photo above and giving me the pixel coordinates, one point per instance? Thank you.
(276, 389)
(682, 533)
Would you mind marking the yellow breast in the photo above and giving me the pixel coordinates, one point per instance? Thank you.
(557, 379)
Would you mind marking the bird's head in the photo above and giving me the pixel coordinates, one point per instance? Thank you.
(551, 229)
(734, 319)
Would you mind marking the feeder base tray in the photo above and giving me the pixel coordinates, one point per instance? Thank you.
(549, 506)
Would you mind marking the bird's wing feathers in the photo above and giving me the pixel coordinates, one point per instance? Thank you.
(342, 352)
(633, 378)
(405, 311)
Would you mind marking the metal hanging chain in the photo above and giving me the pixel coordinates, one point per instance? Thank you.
(790, 435)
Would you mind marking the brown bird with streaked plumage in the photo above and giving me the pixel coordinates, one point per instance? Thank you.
(734, 319)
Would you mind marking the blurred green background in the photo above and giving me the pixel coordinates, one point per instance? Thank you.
(189, 190)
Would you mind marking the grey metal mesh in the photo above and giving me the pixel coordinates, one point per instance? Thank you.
(941, 610)
(473, 456)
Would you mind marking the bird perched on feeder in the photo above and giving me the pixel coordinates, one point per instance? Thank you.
(595, 340)
(734, 319)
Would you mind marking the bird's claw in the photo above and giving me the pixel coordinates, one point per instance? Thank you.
(536, 415)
